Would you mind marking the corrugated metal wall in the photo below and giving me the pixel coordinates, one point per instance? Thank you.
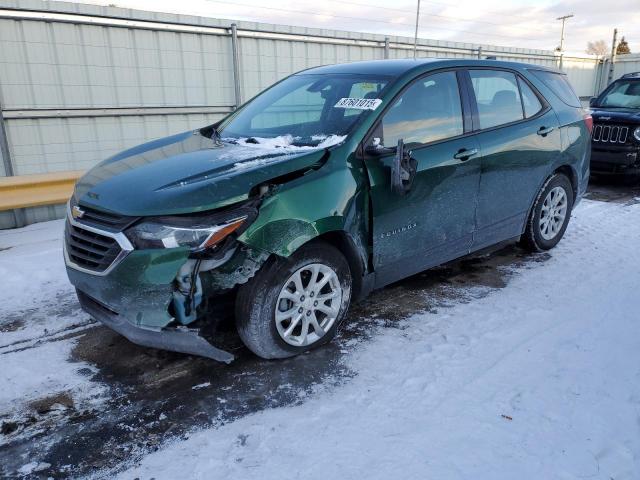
(624, 64)
(79, 83)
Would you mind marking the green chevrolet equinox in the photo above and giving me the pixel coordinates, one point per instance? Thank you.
(331, 183)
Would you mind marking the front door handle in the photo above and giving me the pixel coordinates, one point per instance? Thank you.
(465, 154)
(544, 131)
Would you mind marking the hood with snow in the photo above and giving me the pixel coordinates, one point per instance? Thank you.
(190, 172)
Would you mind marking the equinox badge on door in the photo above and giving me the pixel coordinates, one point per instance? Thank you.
(396, 231)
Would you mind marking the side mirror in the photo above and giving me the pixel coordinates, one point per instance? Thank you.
(403, 170)
(592, 101)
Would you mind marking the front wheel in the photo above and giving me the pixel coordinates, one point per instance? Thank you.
(550, 214)
(294, 304)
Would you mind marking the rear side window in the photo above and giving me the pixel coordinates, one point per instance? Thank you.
(498, 97)
(530, 101)
(559, 84)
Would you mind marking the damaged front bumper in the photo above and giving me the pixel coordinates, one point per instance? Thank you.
(176, 340)
(138, 297)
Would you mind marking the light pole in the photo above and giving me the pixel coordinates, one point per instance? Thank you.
(563, 18)
(415, 37)
(612, 58)
(561, 48)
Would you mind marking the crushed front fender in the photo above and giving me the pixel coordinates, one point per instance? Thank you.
(238, 270)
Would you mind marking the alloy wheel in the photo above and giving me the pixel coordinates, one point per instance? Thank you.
(308, 305)
(553, 213)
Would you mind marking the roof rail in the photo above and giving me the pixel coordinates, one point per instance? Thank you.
(631, 75)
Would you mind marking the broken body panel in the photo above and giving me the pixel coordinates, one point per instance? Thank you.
(151, 289)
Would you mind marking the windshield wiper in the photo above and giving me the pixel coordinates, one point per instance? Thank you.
(215, 136)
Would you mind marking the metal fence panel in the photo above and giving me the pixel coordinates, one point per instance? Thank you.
(79, 143)
(62, 65)
(582, 74)
(626, 64)
(81, 82)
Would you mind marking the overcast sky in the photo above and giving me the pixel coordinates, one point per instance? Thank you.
(522, 23)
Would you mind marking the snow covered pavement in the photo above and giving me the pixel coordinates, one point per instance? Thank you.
(526, 366)
(538, 380)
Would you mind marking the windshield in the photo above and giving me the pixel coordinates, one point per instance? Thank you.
(305, 110)
(623, 94)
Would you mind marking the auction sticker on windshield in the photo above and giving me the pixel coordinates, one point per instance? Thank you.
(359, 103)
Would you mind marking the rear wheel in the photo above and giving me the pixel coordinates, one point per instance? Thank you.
(295, 304)
(550, 214)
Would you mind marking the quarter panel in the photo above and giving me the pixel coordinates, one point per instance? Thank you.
(575, 138)
(576, 152)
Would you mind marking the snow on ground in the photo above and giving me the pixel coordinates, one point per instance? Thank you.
(26, 377)
(540, 379)
(31, 258)
(35, 285)
(31, 263)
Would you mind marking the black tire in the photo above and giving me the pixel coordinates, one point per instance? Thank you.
(532, 238)
(257, 300)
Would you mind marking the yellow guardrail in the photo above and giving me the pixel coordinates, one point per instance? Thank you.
(34, 190)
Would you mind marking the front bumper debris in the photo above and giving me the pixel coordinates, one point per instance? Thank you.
(182, 341)
(150, 295)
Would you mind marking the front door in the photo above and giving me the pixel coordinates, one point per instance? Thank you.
(434, 221)
(520, 140)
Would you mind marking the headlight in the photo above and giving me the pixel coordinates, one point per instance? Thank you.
(170, 233)
(636, 134)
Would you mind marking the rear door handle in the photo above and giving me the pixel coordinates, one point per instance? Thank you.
(465, 154)
(544, 131)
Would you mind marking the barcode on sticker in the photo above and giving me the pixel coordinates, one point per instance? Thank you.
(359, 103)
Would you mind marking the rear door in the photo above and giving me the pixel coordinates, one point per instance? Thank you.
(435, 220)
(519, 140)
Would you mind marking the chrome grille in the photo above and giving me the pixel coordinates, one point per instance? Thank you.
(610, 133)
(98, 218)
(90, 250)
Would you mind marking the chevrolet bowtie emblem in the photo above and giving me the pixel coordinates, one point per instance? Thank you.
(77, 212)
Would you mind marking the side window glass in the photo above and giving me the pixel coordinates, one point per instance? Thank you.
(530, 101)
(497, 96)
(427, 111)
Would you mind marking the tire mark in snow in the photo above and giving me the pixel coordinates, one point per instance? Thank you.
(38, 323)
(69, 332)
